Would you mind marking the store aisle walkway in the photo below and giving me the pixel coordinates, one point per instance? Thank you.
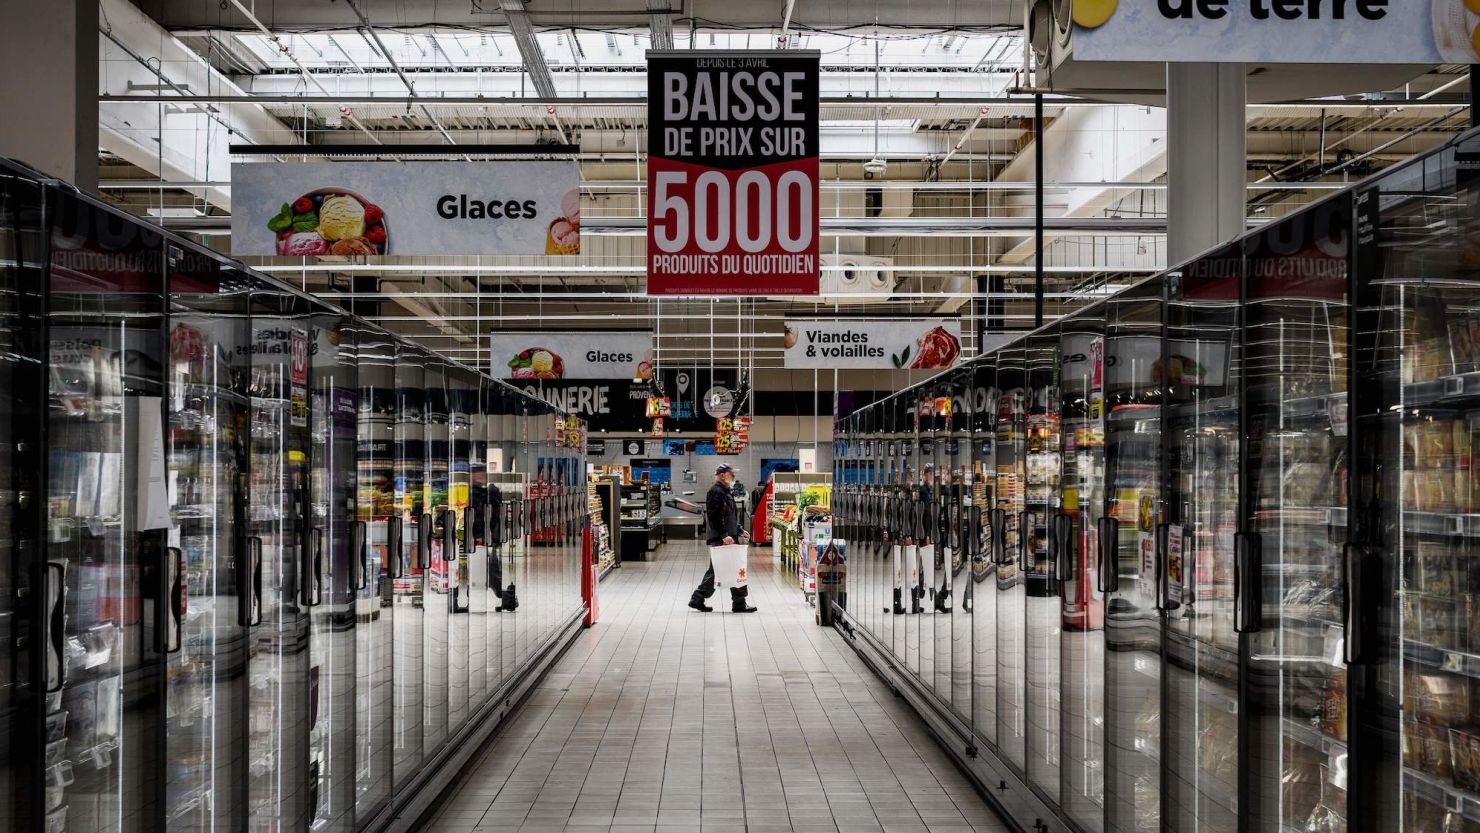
(662, 719)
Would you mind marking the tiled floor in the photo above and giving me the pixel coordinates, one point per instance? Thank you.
(665, 720)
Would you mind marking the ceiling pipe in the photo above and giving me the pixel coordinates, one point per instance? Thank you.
(307, 76)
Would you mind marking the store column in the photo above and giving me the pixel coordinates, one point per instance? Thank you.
(49, 87)
(1206, 175)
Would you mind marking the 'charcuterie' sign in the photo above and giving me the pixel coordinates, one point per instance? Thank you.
(873, 343)
(732, 173)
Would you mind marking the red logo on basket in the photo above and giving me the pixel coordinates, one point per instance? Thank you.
(742, 573)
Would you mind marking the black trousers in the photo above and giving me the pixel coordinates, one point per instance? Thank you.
(706, 588)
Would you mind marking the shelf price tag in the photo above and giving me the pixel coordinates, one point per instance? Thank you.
(733, 173)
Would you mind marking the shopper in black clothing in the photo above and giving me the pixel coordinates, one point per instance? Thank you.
(721, 526)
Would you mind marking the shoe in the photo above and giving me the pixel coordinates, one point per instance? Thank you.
(743, 607)
(698, 604)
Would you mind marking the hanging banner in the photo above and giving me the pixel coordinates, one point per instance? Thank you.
(732, 173)
(1276, 31)
(406, 208)
(873, 343)
(574, 355)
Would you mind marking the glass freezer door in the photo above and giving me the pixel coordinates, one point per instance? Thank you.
(108, 516)
(279, 572)
(1127, 573)
(377, 519)
(1082, 616)
(959, 596)
(209, 413)
(461, 386)
(1416, 647)
(336, 563)
(1017, 524)
(1295, 519)
(1195, 544)
(985, 534)
(22, 518)
(1041, 608)
(408, 553)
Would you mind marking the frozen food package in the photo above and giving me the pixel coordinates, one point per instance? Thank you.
(1440, 622)
(1333, 706)
(1462, 445)
(1464, 490)
(1464, 751)
(1436, 568)
(1426, 748)
(1435, 490)
(1440, 699)
(1436, 443)
(1461, 346)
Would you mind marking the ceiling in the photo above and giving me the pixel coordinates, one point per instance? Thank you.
(938, 90)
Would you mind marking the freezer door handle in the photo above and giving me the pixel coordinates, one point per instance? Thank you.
(1163, 570)
(975, 544)
(495, 517)
(470, 527)
(393, 546)
(1355, 642)
(1027, 524)
(424, 541)
(174, 634)
(313, 588)
(254, 565)
(999, 537)
(1248, 613)
(1063, 541)
(1109, 568)
(361, 546)
(244, 583)
(56, 626)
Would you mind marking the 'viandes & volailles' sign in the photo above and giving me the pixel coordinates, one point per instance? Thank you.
(873, 343)
(1277, 31)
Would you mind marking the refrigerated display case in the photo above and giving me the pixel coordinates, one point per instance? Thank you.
(1201, 662)
(1259, 540)
(1412, 612)
(217, 495)
(28, 723)
(1296, 511)
(209, 410)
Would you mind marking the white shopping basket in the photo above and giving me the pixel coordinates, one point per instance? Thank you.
(730, 567)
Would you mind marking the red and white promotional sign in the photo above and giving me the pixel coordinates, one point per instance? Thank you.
(732, 173)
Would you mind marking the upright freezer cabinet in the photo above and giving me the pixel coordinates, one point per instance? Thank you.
(246, 540)
(1246, 489)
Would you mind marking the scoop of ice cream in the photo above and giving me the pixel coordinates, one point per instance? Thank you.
(570, 205)
(341, 218)
(302, 243)
(542, 361)
(566, 236)
(351, 247)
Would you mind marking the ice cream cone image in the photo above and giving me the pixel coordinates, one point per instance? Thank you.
(563, 237)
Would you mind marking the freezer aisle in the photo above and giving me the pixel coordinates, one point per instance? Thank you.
(236, 533)
(666, 720)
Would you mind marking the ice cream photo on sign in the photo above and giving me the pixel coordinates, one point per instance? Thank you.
(564, 234)
(330, 221)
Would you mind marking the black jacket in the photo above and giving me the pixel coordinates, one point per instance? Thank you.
(721, 519)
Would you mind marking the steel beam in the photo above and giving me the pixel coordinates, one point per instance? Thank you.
(529, 47)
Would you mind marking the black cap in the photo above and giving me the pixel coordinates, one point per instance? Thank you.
(723, 467)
